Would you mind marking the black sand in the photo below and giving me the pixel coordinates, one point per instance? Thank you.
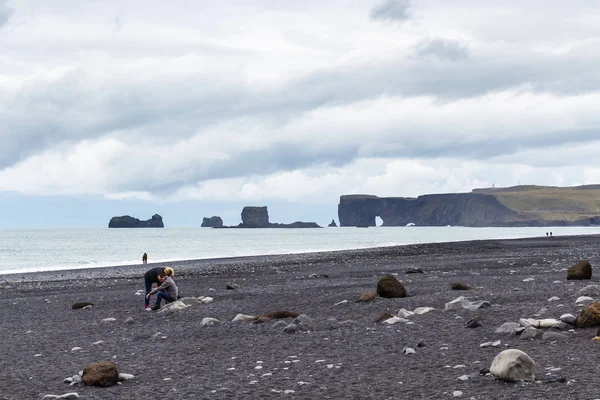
(346, 356)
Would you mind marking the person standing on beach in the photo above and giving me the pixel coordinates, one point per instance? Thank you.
(166, 291)
(145, 258)
(151, 278)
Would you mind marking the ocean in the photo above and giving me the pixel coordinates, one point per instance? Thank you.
(33, 250)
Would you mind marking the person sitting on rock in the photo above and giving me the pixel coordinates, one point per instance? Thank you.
(166, 291)
(151, 279)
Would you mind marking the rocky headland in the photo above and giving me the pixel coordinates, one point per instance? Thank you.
(514, 206)
(443, 320)
(129, 222)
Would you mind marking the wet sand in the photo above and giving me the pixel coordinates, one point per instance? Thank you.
(346, 355)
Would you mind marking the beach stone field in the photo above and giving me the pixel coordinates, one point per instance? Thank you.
(494, 319)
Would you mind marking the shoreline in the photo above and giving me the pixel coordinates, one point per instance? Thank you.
(208, 265)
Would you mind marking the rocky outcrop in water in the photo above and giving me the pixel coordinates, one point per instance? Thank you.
(129, 222)
(258, 217)
(212, 222)
(332, 224)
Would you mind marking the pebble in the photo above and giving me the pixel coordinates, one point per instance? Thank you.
(71, 395)
(408, 350)
(457, 393)
(463, 378)
(109, 319)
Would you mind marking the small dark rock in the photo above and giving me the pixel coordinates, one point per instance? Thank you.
(389, 287)
(474, 323)
(232, 286)
(414, 271)
(81, 304)
(460, 286)
(484, 371)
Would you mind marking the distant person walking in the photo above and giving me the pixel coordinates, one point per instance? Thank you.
(145, 258)
(151, 277)
(167, 290)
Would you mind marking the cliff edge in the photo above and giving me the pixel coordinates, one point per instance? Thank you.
(515, 206)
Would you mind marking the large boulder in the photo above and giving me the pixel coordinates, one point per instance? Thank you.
(513, 365)
(212, 222)
(129, 222)
(102, 373)
(581, 270)
(589, 316)
(389, 287)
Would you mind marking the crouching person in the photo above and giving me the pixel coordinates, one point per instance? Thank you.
(167, 290)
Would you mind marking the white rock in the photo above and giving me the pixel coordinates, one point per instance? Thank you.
(486, 344)
(497, 343)
(422, 310)
(394, 320)
(513, 365)
(173, 307)
(207, 321)
(289, 391)
(71, 395)
(463, 378)
(76, 349)
(554, 298)
(457, 393)
(125, 377)
(403, 313)
(206, 299)
(98, 342)
(409, 350)
(341, 302)
(242, 317)
(109, 319)
(528, 279)
(584, 299)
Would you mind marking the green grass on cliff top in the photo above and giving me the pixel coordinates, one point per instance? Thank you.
(548, 202)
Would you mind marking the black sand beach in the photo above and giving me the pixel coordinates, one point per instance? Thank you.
(345, 356)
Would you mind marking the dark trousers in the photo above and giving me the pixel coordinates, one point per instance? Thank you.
(162, 295)
(148, 285)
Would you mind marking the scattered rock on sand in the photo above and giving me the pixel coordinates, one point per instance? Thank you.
(568, 318)
(460, 286)
(584, 300)
(389, 287)
(581, 270)
(81, 304)
(513, 365)
(72, 395)
(474, 323)
(173, 307)
(589, 316)
(208, 321)
(551, 336)
(414, 271)
(232, 286)
(279, 314)
(590, 290)
(102, 373)
(243, 317)
(461, 302)
(367, 296)
(529, 333)
(510, 328)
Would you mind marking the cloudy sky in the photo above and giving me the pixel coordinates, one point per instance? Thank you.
(197, 108)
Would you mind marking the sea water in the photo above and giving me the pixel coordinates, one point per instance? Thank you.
(31, 250)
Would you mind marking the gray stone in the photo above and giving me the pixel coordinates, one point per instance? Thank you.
(189, 301)
(304, 322)
(513, 365)
(129, 321)
(291, 328)
(551, 336)
(590, 290)
(510, 328)
(279, 325)
(529, 333)
(568, 318)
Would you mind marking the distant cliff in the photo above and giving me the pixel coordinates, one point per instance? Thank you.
(517, 206)
(258, 217)
(129, 222)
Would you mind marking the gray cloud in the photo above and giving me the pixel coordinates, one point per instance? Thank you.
(397, 10)
(444, 49)
(5, 13)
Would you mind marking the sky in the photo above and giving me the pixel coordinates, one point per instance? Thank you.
(191, 109)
